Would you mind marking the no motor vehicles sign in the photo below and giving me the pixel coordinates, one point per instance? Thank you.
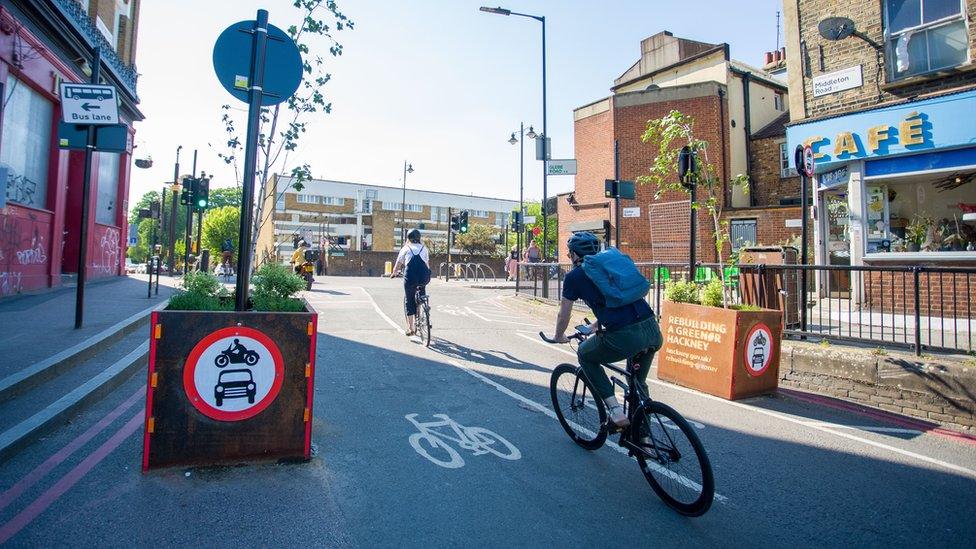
(89, 104)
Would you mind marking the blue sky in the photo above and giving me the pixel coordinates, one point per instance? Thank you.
(434, 82)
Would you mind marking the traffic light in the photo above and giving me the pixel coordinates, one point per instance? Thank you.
(201, 194)
(516, 223)
(186, 195)
(455, 224)
(463, 222)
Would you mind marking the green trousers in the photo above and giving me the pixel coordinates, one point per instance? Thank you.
(612, 346)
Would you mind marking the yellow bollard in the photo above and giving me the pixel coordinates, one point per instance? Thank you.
(388, 268)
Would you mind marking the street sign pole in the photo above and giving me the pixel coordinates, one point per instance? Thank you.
(86, 202)
(688, 175)
(616, 195)
(171, 258)
(805, 166)
(256, 87)
(188, 237)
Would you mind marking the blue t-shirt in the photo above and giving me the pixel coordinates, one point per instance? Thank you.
(576, 285)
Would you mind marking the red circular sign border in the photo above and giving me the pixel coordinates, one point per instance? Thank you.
(754, 329)
(813, 160)
(220, 415)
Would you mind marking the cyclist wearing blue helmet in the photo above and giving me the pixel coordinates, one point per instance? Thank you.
(625, 332)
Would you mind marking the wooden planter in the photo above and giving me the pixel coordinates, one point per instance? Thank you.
(211, 400)
(723, 352)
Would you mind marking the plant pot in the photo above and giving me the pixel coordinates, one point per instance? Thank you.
(913, 247)
(723, 352)
(228, 387)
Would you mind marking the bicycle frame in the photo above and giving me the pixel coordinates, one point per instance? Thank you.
(428, 428)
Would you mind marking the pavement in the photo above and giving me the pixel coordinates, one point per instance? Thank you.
(789, 471)
(39, 326)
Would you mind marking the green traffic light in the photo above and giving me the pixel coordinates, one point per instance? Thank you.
(202, 203)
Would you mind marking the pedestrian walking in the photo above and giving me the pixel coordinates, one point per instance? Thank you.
(511, 264)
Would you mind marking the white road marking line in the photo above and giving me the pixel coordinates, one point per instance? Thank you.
(382, 314)
(819, 426)
(470, 310)
(545, 410)
(895, 430)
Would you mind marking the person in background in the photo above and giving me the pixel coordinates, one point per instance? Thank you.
(298, 257)
(533, 255)
(511, 264)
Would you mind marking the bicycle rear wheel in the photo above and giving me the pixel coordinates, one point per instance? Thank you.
(581, 413)
(423, 321)
(673, 459)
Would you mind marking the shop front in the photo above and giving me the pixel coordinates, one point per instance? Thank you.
(894, 186)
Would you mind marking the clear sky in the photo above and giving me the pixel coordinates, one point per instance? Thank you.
(434, 82)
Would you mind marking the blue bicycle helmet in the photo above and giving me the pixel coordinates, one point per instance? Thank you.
(583, 244)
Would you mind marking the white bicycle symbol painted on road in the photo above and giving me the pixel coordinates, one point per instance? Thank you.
(476, 439)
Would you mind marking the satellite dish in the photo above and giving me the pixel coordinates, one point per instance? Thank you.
(836, 28)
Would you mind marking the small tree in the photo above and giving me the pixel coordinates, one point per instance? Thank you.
(669, 134)
(480, 239)
(219, 225)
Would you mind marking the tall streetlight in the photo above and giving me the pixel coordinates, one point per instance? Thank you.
(407, 168)
(513, 140)
(545, 132)
(171, 263)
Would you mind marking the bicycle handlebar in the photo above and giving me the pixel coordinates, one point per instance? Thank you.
(577, 335)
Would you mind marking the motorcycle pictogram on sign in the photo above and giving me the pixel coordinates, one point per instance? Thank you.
(233, 393)
(759, 349)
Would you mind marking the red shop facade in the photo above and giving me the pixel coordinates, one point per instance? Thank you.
(43, 43)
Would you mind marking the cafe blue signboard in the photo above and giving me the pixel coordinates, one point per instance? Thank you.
(914, 127)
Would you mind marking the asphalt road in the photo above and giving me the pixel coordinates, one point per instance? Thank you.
(788, 471)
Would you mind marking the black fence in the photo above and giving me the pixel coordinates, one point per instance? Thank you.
(918, 307)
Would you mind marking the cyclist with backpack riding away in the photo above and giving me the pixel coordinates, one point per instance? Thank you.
(610, 284)
(414, 259)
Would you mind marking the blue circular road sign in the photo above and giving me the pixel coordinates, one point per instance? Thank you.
(232, 63)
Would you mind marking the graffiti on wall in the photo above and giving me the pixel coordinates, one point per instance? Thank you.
(21, 189)
(22, 247)
(106, 256)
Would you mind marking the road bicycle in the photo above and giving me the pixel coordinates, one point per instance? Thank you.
(670, 454)
(422, 320)
(477, 440)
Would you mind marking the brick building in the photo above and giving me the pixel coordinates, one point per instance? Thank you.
(357, 216)
(738, 109)
(44, 43)
(885, 96)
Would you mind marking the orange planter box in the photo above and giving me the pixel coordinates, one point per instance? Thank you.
(723, 352)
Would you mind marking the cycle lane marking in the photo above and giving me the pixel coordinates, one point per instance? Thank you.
(470, 438)
(39, 472)
(381, 313)
(824, 427)
(545, 410)
(472, 311)
(65, 483)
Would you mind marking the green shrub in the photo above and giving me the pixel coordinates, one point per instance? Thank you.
(201, 292)
(681, 291)
(712, 293)
(746, 307)
(274, 288)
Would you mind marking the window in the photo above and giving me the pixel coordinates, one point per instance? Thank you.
(395, 206)
(778, 102)
(785, 167)
(924, 35)
(478, 213)
(743, 233)
(333, 200)
(108, 188)
(308, 199)
(25, 145)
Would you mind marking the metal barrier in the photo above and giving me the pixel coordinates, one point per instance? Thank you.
(915, 307)
(468, 271)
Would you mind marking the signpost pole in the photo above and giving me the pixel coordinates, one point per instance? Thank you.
(450, 233)
(189, 219)
(256, 81)
(171, 259)
(616, 195)
(86, 202)
(804, 201)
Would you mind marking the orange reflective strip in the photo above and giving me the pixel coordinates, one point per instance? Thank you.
(154, 380)
(158, 333)
(306, 415)
(151, 426)
(308, 369)
(309, 328)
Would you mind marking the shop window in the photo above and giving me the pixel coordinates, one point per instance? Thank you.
(108, 188)
(785, 162)
(924, 36)
(25, 145)
(742, 233)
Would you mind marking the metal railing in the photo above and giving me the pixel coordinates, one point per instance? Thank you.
(467, 271)
(917, 307)
(76, 15)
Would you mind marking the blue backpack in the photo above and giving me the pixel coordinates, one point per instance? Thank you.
(616, 276)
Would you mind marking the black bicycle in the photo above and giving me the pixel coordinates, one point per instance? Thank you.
(669, 452)
(422, 320)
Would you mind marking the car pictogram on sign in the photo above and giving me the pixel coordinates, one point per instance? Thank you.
(237, 392)
(759, 350)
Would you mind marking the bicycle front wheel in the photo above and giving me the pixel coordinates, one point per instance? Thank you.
(673, 459)
(581, 413)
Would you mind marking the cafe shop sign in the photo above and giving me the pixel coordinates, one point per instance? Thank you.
(937, 123)
(723, 352)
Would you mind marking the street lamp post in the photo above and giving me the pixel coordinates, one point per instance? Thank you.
(407, 168)
(171, 264)
(521, 141)
(545, 132)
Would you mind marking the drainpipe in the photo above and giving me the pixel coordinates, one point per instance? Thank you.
(725, 147)
(747, 127)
